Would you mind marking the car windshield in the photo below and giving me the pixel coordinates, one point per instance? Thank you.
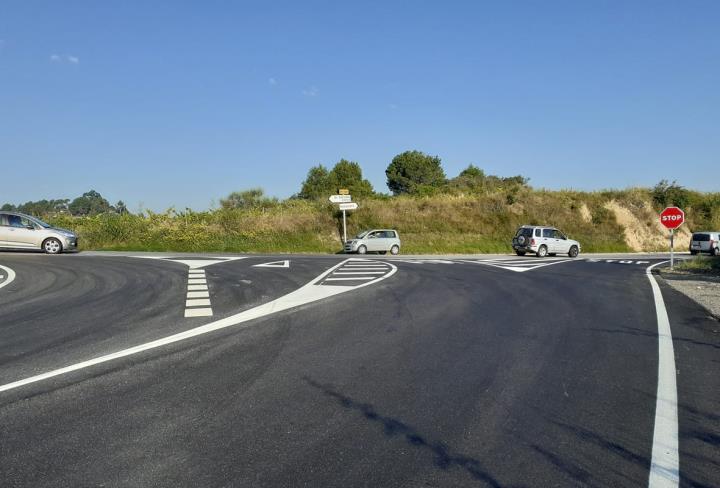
(524, 231)
(701, 237)
(362, 235)
(40, 222)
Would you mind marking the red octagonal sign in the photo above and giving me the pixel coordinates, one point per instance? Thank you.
(672, 217)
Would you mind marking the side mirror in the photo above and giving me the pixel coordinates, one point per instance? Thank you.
(30, 227)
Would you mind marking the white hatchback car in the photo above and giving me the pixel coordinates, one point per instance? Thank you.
(543, 241)
(381, 241)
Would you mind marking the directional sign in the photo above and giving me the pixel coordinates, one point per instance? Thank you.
(340, 198)
(672, 217)
(343, 191)
(348, 206)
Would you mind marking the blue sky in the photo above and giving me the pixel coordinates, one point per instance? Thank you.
(170, 103)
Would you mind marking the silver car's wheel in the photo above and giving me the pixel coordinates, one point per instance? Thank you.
(52, 246)
(573, 252)
(716, 252)
(395, 250)
(542, 252)
(362, 250)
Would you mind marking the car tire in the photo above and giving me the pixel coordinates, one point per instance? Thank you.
(52, 246)
(542, 251)
(395, 250)
(362, 250)
(520, 253)
(693, 253)
(574, 251)
(716, 252)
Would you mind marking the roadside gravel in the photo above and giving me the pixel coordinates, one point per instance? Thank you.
(704, 289)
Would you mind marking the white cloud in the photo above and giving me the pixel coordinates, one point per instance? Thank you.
(73, 59)
(55, 58)
(311, 92)
(272, 81)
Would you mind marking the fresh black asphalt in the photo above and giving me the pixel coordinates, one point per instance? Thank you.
(441, 375)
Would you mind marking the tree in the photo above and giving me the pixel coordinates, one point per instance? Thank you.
(348, 174)
(8, 207)
(414, 172)
(252, 198)
(121, 208)
(321, 183)
(90, 203)
(317, 184)
(665, 194)
(472, 179)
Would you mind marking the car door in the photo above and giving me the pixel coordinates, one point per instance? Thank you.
(5, 236)
(371, 241)
(548, 240)
(21, 232)
(561, 243)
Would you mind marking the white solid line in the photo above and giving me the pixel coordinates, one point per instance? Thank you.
(357, 272)
(197, 287)
(351, 279)
(198, 294)
(193, 272)
(198, 312)
(198, 302)
(197, 281)
(665, 463)
(309, 293)
(10, 276)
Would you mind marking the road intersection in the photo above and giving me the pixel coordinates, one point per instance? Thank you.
(372, 371)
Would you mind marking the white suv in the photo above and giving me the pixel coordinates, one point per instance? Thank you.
(705, 242)
(543, 241)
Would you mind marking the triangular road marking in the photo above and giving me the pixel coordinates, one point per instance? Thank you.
(274, 264)
(194, 263)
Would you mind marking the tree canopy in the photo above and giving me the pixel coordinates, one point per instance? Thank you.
(321, 183)
(415, 173)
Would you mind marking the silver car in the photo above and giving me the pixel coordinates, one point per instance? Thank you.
(376, 240)
(543, 241)
(705, 242)
(20, 231)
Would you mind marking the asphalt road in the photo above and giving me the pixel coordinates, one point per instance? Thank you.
(318, 371)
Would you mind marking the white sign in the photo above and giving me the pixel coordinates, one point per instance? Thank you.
(340, 198)
(348, 206)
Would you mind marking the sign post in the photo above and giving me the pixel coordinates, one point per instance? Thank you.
(345, 203)
(672, 218)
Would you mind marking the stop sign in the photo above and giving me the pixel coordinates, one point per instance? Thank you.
(672, 217)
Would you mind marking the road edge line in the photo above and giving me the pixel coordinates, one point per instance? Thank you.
(665, 463)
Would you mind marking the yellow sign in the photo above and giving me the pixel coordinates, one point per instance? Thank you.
(343, 191)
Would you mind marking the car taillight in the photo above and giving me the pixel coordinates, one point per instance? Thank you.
(532, 242)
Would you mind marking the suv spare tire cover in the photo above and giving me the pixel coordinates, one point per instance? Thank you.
(521, 239)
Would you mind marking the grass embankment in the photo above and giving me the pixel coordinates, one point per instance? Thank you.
(602, 221)
(700, 265)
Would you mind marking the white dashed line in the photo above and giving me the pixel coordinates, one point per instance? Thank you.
(351, 279)
(198, 294)
(198, 312)
(197, 287)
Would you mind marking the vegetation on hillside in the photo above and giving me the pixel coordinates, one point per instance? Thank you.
(472, 212)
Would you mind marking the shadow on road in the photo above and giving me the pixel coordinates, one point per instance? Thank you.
(444, 458)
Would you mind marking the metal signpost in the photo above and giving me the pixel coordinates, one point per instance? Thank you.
(345, 203)
(672, 218)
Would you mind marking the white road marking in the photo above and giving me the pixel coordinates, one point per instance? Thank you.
(665, 463)
(512, 265)
(198, 294)
(10, 276)
(198, 312)
(197, 287)
(197, 302)
(357, 272)
(197, 272)
(274, 264)
(311, 292)
(197, 281)
(194, 263)
(351, 279)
